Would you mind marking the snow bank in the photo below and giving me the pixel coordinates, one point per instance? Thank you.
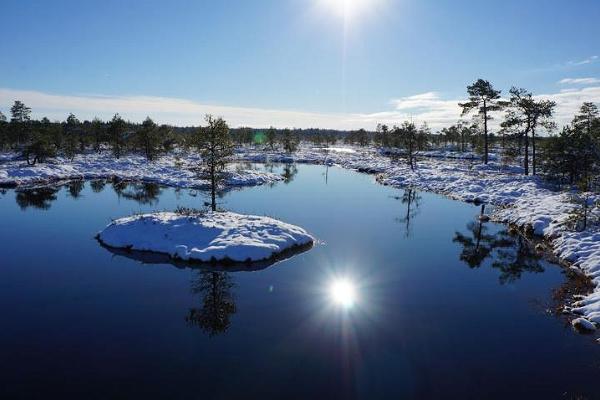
(168, 170)
(208, 237)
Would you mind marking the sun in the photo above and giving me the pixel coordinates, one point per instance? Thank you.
(347, 9)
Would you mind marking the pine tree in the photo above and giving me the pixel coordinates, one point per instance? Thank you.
(216, 148)
(588, 119)
(524, 116)
(289, 141)
(410, 139)
(72, 130)
(98, 133)
(116, 134)
(20, 122)
(3, 131)
(271, 136)
(485, 99)
(148, 140)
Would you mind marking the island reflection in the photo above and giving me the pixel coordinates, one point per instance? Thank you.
(213, 283)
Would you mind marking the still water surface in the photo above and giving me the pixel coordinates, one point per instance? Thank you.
(441, 306)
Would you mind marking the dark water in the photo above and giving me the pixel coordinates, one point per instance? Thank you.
(437, 315)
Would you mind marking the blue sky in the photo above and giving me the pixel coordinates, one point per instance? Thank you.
(301, 59)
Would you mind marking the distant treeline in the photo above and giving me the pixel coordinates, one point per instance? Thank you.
(569, 155)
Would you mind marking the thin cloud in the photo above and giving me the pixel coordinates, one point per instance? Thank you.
(585, 61)
(579, 81)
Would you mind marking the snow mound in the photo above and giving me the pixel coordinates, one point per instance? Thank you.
(207, 237)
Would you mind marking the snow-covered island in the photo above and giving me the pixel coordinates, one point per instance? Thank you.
(207, 237)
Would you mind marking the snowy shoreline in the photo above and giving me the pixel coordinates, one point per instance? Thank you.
(172, 170)
(213, 237)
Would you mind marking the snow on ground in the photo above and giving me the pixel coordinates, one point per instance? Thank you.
(167, 170)
(208, 237)
(525, 201)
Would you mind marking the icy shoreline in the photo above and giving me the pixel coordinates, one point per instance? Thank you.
(211, 237)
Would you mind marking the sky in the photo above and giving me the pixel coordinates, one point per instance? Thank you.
(341, 64)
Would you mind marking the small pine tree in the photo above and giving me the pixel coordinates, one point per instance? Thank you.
(20, 122)
(289, 141)
(72, 131)
(98, 133)
(148, 139)
(3, 131)
(116, 134)
(271, 137)
(216, 148)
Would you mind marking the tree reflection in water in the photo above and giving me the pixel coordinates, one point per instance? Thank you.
(75, 187)
(520, 257)
(98, 185)
(512, 253)
(213, 282)
(289, 173)
(412, 199)
(142, 192)
(40, 198)
(217, 302)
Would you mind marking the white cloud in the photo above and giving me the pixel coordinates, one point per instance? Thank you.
(579, 81)
(427, 107)
(569, 102)
(585, 61)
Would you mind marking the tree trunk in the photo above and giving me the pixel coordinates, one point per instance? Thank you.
(533, 156)
(485, 134)
(213, 189)
(526, 158)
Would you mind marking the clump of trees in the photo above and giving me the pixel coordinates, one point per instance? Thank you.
(524, 116)
(40, 140)
(573, 155)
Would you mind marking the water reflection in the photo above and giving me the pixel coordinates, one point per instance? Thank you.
(213, 282)
(412, 200)
(75, 187)
(40, 198)
(289, 173)
(146, 193)
(343, 292)
(218, 304)
(512, 253)
(520, 257)
(98, 185)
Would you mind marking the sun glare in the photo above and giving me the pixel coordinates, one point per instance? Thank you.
(347, 9)
(343, 293)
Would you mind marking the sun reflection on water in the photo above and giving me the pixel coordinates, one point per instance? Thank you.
(343, 293)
